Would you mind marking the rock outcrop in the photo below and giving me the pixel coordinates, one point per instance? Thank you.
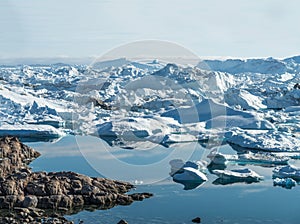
(24, 190)
(14, 155)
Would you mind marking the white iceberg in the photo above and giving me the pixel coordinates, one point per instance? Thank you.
(244, 99)
(258, 158)
(158, 130)
(262, 158)
(204, 111)
(238, 175)
(288, 171)
(190, 174)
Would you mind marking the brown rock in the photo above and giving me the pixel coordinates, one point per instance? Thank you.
(9, 187)
(53, 187)
(30, 201)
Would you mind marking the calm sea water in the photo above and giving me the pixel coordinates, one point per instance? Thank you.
(236, 203)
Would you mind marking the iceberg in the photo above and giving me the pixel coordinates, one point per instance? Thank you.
(287, 183)
(189, 174)
(239, 175)
(258, 158)
(264, 140)
(288, 171)
(203, 111)
(262, 158)
(244, 99)
(30, 132)
(153, 129)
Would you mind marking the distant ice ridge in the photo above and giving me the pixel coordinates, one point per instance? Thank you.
(249, 103)
(272, 141)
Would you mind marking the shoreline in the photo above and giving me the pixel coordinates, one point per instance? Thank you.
(31, 195)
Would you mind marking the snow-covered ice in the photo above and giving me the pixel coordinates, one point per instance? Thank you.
(190, 174)
(31, 132)
(251, 104)
(258, 158)
(238, 175)
(265, 140)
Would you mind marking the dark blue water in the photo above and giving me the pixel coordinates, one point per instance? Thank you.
(237, 203)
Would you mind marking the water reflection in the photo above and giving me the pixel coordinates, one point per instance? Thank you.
(189, 185)
(215, 204)
(222, 181)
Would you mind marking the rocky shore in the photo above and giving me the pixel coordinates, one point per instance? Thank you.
(40, 197)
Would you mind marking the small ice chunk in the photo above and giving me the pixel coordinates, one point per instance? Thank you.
(287, 183)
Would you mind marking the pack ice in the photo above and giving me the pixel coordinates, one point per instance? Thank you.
(251, 104)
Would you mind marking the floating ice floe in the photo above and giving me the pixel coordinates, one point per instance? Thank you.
(31, 132)
(287, 183)
(288, 171)
(258, 158)
(272, 141)
(238, 175)
(262, 158)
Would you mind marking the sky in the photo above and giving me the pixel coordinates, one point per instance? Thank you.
(84, 28)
